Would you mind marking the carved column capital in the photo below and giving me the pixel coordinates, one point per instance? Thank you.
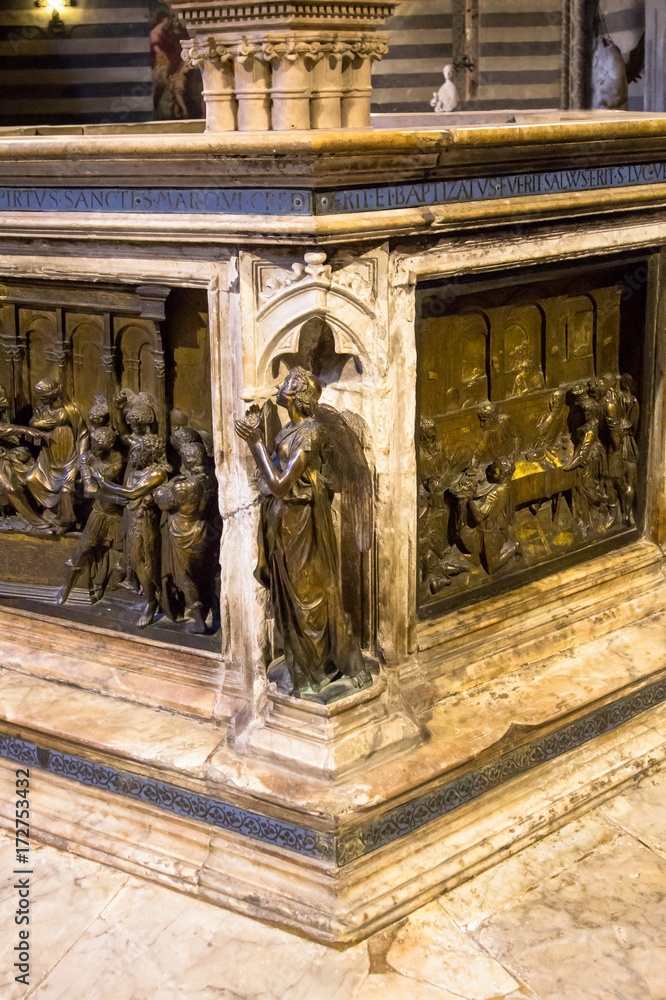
(109, 363)
(12, 352)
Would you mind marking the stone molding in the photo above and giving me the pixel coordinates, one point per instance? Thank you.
(341, 848)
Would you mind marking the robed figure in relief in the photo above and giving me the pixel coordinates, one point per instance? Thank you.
(316, 454)
(53, 476)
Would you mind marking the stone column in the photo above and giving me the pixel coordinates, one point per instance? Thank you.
(291, 87)
(216, 61)
(14, 355)
(252, 81)
(159, 368)
(109, 362)
(580, 53)
(565, 63)
(357, 81)
(326, 102)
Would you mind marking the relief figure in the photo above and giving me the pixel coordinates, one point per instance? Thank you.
(486, 516)
(591, 503)
(622, 417)
(436, 562)
(552, 440)
(187, 542)
(15, 464)
(316, 453)
(99, 551)
(141, 522)
(498, 438)
(52, 478)
(528, 379)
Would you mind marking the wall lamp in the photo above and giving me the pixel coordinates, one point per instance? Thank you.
(56, 25)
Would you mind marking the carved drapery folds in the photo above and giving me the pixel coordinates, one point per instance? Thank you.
(305, 68)
(325, 317)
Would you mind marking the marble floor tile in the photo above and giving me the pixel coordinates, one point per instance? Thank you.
(390, 986)
(642, 811)
(155, 944)
(431, 948)
(67, 893)
(504, 884)
(595, 932)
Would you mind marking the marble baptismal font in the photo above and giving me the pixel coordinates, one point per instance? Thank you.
(332, 510)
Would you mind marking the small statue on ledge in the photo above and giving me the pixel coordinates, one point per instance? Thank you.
(446, 98)
(316, 454)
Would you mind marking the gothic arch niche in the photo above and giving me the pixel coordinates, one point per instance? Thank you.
(88, 376)
(524, 350)
(320, 336)
(316, 351)
(472, 382)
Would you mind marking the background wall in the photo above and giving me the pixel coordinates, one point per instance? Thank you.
(518, 57)
(421, 44)
(98, 72)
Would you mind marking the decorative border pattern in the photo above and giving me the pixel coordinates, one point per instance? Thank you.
(456, 793)
(300, 202)
(366, 838)
(175, 800)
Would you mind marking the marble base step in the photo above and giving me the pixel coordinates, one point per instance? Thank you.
(337, 856)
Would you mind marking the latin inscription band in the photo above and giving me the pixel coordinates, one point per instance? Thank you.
(299, 202)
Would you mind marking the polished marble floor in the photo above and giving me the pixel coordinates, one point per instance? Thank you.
(579, 916)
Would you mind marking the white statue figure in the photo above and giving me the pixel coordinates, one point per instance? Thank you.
(609, 76)
(446, 98)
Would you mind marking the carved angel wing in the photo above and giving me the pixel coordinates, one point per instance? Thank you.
(348, 472)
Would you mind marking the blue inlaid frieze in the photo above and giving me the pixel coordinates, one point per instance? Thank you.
(172, 799)
(456, 793)
(274, 202)
(158, 201)
(450, 192)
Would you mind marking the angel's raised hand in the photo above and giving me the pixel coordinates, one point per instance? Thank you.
(248, 432)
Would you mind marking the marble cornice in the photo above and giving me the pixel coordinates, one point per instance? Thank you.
(326, 185)
(307, 150)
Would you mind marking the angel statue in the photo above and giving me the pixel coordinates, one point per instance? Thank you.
(316, 454)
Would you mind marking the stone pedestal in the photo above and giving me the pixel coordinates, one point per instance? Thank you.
(315, 59)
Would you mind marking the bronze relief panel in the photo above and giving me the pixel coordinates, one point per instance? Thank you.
(528, 435)
(108, 508)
